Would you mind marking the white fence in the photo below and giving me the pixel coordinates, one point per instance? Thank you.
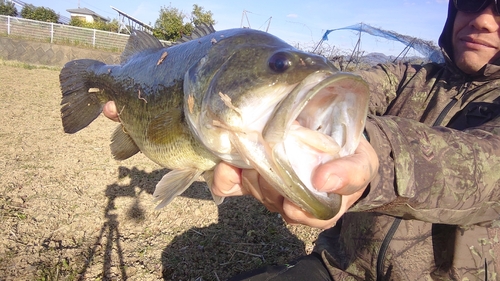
(61, 34)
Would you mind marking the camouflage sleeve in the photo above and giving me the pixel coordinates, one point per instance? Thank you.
(384, 81)
(434, 174)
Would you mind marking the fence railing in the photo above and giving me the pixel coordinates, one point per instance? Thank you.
(62, 34)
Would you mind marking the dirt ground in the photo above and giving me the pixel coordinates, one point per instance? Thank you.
(69, 211)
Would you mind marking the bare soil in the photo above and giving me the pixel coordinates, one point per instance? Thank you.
(69, 211)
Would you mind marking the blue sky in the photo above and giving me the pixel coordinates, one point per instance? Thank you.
(297, 22)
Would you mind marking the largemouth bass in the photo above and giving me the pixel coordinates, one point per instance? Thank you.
(242, 96)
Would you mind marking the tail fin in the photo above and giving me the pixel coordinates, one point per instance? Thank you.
(80, 105)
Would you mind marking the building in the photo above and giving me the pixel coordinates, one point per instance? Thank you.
(86, 15)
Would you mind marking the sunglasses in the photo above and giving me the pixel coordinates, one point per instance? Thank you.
(475, 6)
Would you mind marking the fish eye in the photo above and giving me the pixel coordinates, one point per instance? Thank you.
(279, 62)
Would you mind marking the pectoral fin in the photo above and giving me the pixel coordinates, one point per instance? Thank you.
(174, 183)
(163, 128)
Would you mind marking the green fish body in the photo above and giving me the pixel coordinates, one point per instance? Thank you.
(242, 96)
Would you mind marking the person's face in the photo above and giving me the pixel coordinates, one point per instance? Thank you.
(476, 39)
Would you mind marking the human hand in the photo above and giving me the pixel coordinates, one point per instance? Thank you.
(348, 176)
(109, 110)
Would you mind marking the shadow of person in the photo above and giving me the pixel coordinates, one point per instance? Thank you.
(244, 237)
(109, 233)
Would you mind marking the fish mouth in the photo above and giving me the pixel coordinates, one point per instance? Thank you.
(320, 120)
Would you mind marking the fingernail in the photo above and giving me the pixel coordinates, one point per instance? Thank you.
(332, 183)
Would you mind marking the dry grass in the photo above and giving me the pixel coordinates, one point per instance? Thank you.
(70, 212)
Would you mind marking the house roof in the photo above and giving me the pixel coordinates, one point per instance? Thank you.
(85, 11)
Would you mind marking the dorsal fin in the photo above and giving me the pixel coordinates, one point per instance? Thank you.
(138, 42)
(203, 29)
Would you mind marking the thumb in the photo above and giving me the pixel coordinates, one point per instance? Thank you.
(348, 174)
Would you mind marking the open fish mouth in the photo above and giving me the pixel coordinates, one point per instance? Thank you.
(320, 120)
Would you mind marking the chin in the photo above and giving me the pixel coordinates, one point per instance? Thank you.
(470, 62)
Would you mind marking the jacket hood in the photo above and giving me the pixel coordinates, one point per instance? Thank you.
(489, 71)
(445, 40)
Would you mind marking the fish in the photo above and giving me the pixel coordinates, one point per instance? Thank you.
(241, 96)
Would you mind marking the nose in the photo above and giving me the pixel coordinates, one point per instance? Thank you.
(487, 20)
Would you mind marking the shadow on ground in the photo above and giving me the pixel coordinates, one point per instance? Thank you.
(245, 236)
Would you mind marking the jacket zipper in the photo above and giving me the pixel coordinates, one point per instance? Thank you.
(450, 105)
(397, 220)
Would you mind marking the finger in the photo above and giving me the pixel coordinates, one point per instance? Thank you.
(251, 184)
(254, 184)
(271, 198)
(109, 110)
(348, 174)
(294, 214)
(227, 181)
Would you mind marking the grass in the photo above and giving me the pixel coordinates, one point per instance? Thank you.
(61, 270)
(27, 66)
(66, 42)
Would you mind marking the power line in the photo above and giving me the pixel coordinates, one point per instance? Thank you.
(245, 16)
(93, 7)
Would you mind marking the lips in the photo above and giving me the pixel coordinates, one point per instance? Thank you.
(476, 42)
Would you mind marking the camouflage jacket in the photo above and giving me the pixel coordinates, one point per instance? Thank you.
(438, 141)
(436, 132)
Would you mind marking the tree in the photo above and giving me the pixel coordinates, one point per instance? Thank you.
(8, 9)
(39, 13)
(199, 16)
(111, 26)
(170, 25)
